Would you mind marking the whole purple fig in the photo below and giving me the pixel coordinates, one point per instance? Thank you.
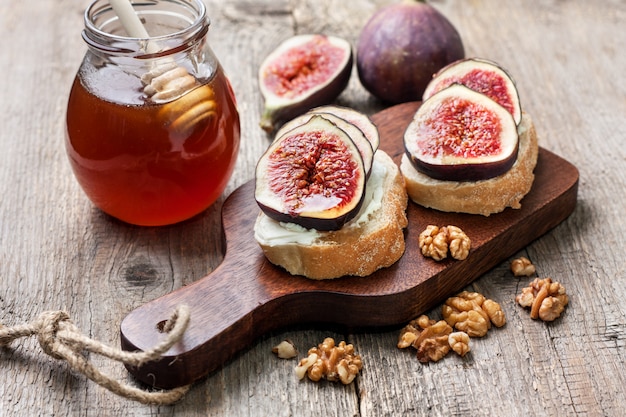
(402, 46)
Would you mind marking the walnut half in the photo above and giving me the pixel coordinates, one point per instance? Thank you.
(522, 267)
(436, 242)
(546, 299)
(459, 342)
(458, 242)
(433, 243)
(471, 313)
(429, 337)
(331, 362)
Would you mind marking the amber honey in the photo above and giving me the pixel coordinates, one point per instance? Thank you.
(150, 163)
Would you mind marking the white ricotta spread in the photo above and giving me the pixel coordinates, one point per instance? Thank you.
(269, 232)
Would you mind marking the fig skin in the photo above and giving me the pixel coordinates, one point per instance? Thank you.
(401, 47)
(279, 109)
(459, 109)
(277, 192)
(500, 86)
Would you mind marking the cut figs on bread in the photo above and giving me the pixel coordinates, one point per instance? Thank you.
(483, 197)
(311, 163)
(372, 240)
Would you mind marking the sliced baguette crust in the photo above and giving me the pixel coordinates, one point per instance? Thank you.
(478, 197)
(355, 249)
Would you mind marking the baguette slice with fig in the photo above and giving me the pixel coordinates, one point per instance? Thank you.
(317, 218)
(373, 239)
(465, 153)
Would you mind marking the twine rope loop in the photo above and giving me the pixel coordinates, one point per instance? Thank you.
(59, 338)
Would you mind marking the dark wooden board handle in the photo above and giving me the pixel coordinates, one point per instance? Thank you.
(246, 296)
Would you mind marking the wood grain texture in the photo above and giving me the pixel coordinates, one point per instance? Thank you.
(57, 251)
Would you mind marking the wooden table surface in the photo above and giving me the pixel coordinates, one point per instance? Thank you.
(58, 252)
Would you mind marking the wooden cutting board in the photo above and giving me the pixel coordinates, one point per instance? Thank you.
(246, 296)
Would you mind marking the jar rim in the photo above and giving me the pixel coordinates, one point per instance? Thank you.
(100, 39)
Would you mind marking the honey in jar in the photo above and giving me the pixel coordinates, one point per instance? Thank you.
(152, 124)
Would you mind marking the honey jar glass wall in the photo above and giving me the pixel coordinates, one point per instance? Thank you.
(152, 122)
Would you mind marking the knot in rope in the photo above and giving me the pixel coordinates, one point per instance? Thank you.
(48, 324)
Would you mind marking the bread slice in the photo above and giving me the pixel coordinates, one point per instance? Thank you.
(478, 197)
(373, 239)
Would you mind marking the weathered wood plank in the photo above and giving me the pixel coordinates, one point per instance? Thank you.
(57, 251)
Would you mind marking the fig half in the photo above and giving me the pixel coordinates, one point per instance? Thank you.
(312, 176)
(303, 72)
(459, 134)
(483, 76)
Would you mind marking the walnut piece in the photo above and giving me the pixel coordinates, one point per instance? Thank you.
(458, 242)
(459, 342)
(522, 267)
(429, 337)
(471, 313)
(305, 364)
(331, 362)
(285, 350)
(546, 299)
(495, 313)
(435, 242)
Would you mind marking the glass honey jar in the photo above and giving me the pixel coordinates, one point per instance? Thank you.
(153, 129)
